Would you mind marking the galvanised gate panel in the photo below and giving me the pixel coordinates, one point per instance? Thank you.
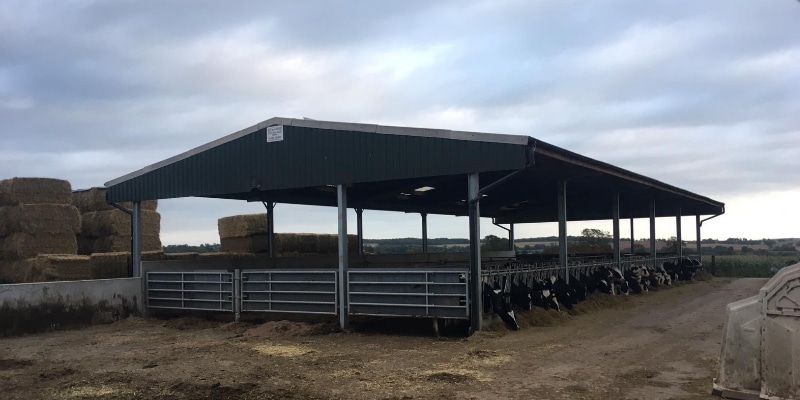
(409, 292)
(204, 291)
(291, 291)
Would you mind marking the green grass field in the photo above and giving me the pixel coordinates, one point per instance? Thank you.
(753, 266)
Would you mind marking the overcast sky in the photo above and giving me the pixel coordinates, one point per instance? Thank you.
(704, 95)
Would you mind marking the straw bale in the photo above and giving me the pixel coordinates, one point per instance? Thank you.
(109, 265)
(85, 245)
(19, 246)
(247, 244)
(225, 256)
(39, 219)
(67, 267)
(14, 271)
(307, 243)
(328, 244)
(157, 255)
(17, 191)
(94, 199)
(242, 225)
(288, 243)
(117, 223)
(180, 256)
(117, 243)
(46, 268)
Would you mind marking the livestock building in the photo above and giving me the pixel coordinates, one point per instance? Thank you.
(510, 178)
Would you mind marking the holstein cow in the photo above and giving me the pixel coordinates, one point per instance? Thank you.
(542, 295)
(561, 291)
(496, 298)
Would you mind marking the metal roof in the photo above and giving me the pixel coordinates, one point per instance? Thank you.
(383, 166)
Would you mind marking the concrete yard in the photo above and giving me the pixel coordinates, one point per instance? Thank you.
(660, 345)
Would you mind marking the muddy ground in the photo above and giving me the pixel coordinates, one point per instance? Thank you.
(661, 345)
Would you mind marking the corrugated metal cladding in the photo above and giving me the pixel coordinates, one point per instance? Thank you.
(308, 157)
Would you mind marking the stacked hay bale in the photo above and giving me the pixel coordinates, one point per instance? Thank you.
(106, 229)
(49, 267)
(37, 231)
(117, 264)
(248, 234)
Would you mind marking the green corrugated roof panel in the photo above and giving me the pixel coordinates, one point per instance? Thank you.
(383, 165)
(319, 154)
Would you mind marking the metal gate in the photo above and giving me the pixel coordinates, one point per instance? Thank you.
(204, 291)
(290, 291)
(432, 293)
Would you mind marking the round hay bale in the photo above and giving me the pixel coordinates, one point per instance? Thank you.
(94, 199)
(17, 191)
(242, 225)
(40, 219)
(117, 223)
(20, 246)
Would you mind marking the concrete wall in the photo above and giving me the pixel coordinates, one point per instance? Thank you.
(46, 306)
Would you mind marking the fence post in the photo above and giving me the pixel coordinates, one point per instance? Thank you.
(713, 264)
(237, 294)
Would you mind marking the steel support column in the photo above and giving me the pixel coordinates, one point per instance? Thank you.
(697, 234)
(360, 230)
(633, 240)
(617, 241)
(475, 284)
(678, 244)
(344, 312)
(653, 232)
(511, 246)
(424, 232)
(562, 228)
(271, 229)
(136, 240)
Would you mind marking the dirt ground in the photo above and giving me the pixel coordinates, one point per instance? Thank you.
(660, 345)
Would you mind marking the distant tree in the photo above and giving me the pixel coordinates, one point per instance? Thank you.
(592, 241)
(185, 248)
(494, 243)
(595, 237)
(551, 250)
(784, 247)
(639, 248)
(672, 245)
(747, 249)
(770, 243)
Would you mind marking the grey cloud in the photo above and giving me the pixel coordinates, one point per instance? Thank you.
(703, 95)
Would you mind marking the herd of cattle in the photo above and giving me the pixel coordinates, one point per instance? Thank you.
(505, 292)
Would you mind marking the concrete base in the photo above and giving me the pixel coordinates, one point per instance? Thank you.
(735, 394)
(47, 306)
